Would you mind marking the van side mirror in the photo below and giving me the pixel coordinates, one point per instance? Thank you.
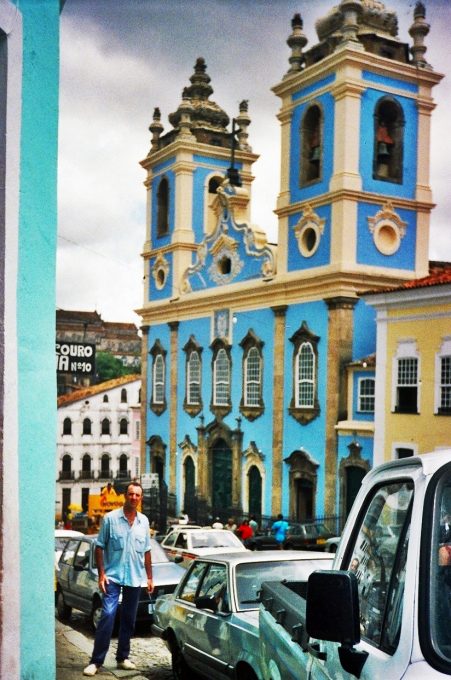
(333, 607)
(333, 614)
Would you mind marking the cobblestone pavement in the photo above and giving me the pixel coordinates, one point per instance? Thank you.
(74, 642)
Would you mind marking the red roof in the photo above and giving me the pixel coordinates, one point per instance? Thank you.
(439, 275)
(87, 392)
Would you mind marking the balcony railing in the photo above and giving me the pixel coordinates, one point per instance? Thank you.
(66, 475)
(86, 474)
(124, 474)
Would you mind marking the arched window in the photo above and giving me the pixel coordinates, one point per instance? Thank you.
(67, 426)
(311, 145)
(105, 399)
(66, 467)
(123, 396)
(305, 376)
(105, 428)
(251, 405)
(193, 378)
(252, 378)
(123, 426)
(163, 207)
(105, 466)
(388, 140)
(158, 396)
(86, 467)
(304, 405)
(212, 208)
(158, 379)
(123, 466)
(221, 379)
(87, 426)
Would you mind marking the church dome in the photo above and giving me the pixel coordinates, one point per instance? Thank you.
(204, 112)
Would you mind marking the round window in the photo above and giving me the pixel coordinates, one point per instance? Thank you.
(309, 237)
(225, 265)
(387, 238)
(160, 278)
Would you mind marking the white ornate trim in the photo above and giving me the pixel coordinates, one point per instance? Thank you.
(387, 229)
(160, 271)
(308, 231)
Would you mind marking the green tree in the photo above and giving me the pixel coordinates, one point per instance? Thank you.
(109, 367)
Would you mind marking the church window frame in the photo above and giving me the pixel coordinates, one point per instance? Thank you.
(163, 200)
(304, 406)
(252, 404)
(193, 377)
(221, 403)
(158, 402)
(388, 154)
(311, 141)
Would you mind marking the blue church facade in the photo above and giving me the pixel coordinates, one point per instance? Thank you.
(259, 359)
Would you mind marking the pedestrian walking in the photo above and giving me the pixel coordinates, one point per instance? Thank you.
(217, 524)
(123, 557)
(280, 528)
(244, 531)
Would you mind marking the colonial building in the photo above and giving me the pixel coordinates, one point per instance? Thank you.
(413, 375)
(259, 360)
(119, 339)
(97, 440)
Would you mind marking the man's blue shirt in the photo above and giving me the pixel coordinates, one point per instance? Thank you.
(124, 547)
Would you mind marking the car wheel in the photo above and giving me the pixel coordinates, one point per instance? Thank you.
(180, 669)
(62, 608)
(96, 613)
(245, 672)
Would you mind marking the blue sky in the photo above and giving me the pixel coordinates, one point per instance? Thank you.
(120, 59)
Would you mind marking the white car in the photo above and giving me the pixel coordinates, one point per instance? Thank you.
(211, 622)
(184, 546)
(61, 538)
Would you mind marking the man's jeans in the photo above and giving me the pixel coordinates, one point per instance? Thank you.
(129, 606)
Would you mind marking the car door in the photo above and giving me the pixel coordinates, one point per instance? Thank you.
(181, 616)
(65, 573)
(83, 581)
(168, 545)
(210, 650)
(380, 568)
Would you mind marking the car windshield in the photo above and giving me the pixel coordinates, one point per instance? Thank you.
(157, 553)
(214, 539)
(250, 576)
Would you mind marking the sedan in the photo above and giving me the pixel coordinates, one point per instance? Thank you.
(183, 546)
(310, 536)
(77, 581)
(210, 622)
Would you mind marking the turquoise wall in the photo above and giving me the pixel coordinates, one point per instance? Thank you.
(36, 335)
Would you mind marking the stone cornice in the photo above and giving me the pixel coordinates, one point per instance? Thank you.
(170, 248)
(359, 196)
(195, 148)
(360, 60)
(315, 284)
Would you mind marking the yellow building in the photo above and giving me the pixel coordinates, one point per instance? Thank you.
(413, 366)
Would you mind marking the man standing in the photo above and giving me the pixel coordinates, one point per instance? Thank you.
(122, 555)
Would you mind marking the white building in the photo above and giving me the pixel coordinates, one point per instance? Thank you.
(97, 440)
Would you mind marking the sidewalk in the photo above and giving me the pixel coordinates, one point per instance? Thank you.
(72, 655)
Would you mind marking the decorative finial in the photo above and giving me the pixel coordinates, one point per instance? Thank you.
(156, 128)
(296, 42)
(418, 31)
(243, 121)
(350, 10)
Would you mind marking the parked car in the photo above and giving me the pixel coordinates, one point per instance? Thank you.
(183, 546)
(77, 586)
(332, 544)
(160, 537)
(210, 623)
(309, 536)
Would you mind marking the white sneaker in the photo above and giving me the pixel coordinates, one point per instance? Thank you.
(126, 665)
(90, 670)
